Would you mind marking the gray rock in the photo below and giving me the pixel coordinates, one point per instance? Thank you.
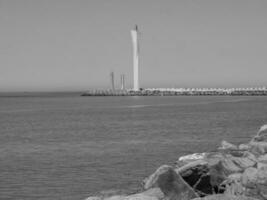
(244, 147)
(116, 197)
(151, 181)
(94, 198)
(170, 183)
(225, 197)
(261, 134)
(140, 197)
(235, 177)
(249, 178)
(155, 192)
(245, 161)
(227, 146)
(258, 148)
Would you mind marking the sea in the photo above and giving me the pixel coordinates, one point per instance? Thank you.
(64, 146)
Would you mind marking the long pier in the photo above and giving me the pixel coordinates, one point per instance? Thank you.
(181, 92)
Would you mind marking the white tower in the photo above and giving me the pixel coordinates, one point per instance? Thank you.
(134, 34)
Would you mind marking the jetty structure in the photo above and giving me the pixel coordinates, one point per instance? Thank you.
(137, 91)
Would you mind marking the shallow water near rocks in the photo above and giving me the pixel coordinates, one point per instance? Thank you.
(70, 147)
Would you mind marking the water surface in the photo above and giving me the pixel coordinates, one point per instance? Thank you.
(69, 147)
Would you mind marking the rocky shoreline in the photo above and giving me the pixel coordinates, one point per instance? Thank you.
(230, 173)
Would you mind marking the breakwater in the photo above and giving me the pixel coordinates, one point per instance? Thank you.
(181, 92)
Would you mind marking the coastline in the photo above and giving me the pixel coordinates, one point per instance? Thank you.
(236, 172)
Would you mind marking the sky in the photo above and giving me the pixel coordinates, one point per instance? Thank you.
(63, 45)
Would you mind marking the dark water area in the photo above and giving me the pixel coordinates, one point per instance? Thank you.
(70, 147)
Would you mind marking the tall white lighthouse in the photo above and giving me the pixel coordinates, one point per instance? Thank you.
(135, 41)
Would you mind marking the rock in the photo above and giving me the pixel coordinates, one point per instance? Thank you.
(227, 146)
(94, 198)
(229, 166)
(183, 160)
(258, 148)
(234, 188)
(255, 181)
(155, 192)
(244, 147)
(245, 161)
(235, 177)
(191, 165)
(198, 178)
(249, 177)
(261, 134)
(151, 181)
(225, 197)
(140, 197)
(217, 176)
(171, 184)
(233, 184)
(116, 197)
(174, 187)
(262, 162)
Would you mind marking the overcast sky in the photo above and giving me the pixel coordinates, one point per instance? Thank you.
(52, 45)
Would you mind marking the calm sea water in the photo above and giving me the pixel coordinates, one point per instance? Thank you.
(70, 147)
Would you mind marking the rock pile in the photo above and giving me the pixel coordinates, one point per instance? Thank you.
(231, 173)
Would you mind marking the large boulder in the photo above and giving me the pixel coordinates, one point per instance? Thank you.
(197, 176)
(151, 181)
(171, 184)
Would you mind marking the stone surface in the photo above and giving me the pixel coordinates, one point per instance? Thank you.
(115, 197)
(244, 147)
(174, 187)
(258, 148)
(151, 181)
(198, 178)
(139, 197)
(229, 167)
(155, 192)
(225, 197)
(94, 198)
(235, 177)
(170, 183)
(233, 185)
(261, 135)
(249, 177)
(227, 146)
(245, 161)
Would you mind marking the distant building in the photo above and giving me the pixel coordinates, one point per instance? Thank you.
(134, 34)
(122, 82)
